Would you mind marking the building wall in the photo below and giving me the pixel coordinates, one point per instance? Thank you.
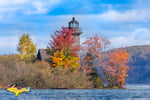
(77, 40)
(77, 34)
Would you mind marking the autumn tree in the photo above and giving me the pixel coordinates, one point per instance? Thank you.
(63, 40)
(26, 48)
(61, 49)
(95, 47)
(117, 67)
(60, 60)
(113, 65)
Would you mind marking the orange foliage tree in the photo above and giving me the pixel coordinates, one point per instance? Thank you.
(113, 65)
(117, 66)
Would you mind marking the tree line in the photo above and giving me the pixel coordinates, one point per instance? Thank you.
(65, 67)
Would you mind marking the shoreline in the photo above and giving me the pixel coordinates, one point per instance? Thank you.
(67, 88)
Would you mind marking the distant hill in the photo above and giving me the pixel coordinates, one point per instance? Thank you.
(140, 60)
(139, 63)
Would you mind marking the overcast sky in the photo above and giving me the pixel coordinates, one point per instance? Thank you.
(123, 22)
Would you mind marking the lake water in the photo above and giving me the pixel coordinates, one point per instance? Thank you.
(136, 93)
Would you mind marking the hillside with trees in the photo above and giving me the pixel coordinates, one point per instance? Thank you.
(140, 65)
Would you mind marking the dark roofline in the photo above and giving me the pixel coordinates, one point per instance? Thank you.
(73, 20)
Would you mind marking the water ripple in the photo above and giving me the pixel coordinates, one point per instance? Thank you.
(80, 94)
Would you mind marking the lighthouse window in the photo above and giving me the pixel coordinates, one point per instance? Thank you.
(74, 25)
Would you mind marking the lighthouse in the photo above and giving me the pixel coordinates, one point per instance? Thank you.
(74, 25)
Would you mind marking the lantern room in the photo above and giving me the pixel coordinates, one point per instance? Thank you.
(73, 23)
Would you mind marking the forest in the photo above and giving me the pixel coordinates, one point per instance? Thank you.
(86, 66)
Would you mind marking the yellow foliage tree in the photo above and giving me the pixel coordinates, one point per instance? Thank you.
(60, 60)
(26, 48)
